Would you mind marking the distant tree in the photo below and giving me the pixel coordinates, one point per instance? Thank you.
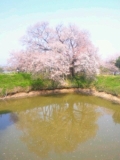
(117, 63)
(108, 67)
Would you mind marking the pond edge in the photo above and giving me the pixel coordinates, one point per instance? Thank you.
(92, 92)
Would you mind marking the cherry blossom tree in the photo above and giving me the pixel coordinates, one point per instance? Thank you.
(54, 67)
(87, 64)
(24, 61)
(39, 37)
(58, 52)
(108, 67)
(77, 44)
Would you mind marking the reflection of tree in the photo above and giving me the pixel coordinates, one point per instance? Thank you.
(13, 117)
(57, 127)
(116, 117)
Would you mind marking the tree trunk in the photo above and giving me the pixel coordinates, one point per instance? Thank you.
(72, 72)
(72, 69)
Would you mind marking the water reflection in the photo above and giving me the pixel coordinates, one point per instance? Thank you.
(7, 119)
(116, 116)
(57, 127)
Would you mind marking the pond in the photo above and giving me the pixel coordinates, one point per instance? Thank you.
(59, 127)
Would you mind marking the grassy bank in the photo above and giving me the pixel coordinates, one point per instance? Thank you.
(109, 84)
(20, 82)
(12, 82)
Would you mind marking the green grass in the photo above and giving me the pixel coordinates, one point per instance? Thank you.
(108, 84)
(16, 82)
(78, 82)
(13, 80)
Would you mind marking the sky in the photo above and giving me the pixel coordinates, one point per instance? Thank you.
(101, 18)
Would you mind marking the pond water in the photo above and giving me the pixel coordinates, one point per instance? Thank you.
(59, 127)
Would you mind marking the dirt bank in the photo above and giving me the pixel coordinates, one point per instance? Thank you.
(93, 92)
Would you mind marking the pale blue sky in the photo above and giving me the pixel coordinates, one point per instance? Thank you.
(100, 18)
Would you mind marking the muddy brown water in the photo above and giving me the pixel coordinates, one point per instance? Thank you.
(59, 127)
